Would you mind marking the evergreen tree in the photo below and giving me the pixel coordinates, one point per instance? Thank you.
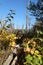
(36, 9)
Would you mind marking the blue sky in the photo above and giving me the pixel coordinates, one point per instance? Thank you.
(20, 9)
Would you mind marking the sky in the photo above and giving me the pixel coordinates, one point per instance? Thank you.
(20, 9)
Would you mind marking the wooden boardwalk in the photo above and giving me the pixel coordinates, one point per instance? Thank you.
(13, 57)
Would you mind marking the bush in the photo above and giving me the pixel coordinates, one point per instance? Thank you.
(7, 39)
(33, 52)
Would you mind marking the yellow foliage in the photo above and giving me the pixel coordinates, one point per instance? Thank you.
(7, 38)
(5, 32)
(12, 44)
(36, 52)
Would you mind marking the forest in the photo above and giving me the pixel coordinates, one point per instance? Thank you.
(22, 46)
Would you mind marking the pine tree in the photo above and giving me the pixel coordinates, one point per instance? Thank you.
(36, 9)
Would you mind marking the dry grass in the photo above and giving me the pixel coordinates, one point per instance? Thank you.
(4, 55)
